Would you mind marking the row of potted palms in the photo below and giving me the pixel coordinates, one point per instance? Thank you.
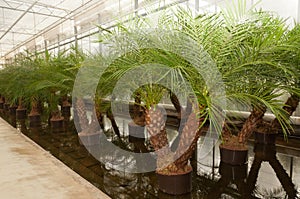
(39, 83)
(256, 55)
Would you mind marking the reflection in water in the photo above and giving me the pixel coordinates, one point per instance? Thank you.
(267, 153)
(233, 181)
(231, 176)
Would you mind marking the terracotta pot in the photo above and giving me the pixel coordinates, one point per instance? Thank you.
(233, 157)
(265, 138)
(175, 184)
(57, 125)
(21, 114)
(136, 133)
(89, 139)
(34, 120)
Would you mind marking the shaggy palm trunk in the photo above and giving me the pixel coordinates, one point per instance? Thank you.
(182, 118)
(35, 110)
(291, 105)
(175, 103)
(249, 126)
(188, 141)
(157, 129)
(20, 103)
(81, 114)
(138, 111)
(99, 116)
(94, 125)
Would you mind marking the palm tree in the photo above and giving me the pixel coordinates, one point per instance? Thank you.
(248, 47)
(140, 54)
(289, 53)
(56, 77)
(250, 66)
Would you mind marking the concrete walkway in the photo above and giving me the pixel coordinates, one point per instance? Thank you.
(29, 172)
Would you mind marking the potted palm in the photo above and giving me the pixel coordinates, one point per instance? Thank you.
(19, 83)
(244, 44)
(288, 53)
(55, 75)
(267, 153)
(89, 131)
(173, 167)
(250, 68)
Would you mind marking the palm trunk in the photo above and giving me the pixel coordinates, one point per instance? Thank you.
(65, 101)
(291, 105)
(175, 102)
(34, 107)
(138, 111)
(249, 126)
(81, 114)
(157, 130)
(20, 103)
(114, 124)
(182, 118)
(188, 141)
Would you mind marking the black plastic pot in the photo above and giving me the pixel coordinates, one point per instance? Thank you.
(175, 184)
(66, 111)
(233, 172)
(21, 114)
(12, 110)
(57, 125)
(265, 152)
(136, 133)
(265, 138)
(233, 157)
(34, 120)
(6, 106)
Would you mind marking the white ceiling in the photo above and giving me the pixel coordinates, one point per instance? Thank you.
(27, 23)
(23, 19)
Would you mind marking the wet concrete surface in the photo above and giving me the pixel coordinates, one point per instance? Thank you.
(27, 171)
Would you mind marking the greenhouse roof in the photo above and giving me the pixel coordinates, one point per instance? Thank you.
(21, 20)
(35, 24)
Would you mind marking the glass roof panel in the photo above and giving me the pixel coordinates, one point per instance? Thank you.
(23, 19)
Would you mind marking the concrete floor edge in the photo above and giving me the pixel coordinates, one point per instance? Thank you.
(9, 186)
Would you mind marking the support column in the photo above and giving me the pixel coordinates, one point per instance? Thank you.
(58, 42)
(76, 37)
(197, 5)
(298, 12)
(46, 45)
(99, 22)
(136, 6)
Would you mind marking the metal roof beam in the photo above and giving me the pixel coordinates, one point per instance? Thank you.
(32, 12)
(40, 4)
(18, 20)
(21, 33)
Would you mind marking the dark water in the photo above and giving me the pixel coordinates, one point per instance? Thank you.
(270, 172)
